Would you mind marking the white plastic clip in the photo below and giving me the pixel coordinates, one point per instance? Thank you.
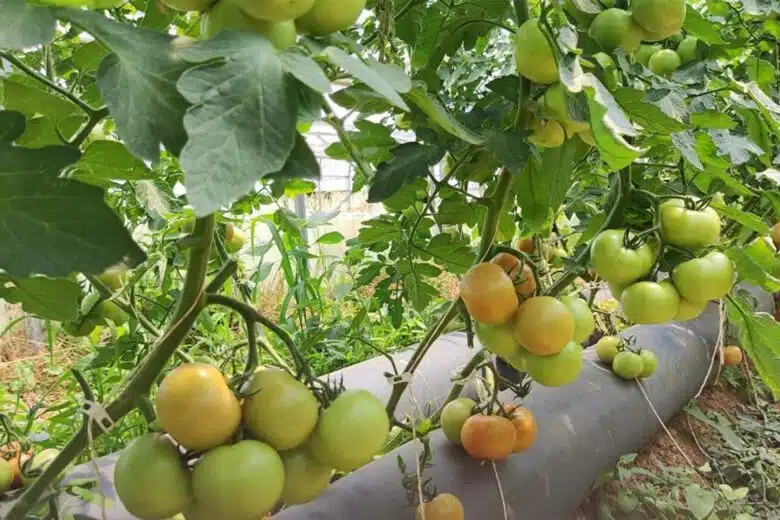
(98, 414)
(403, 377)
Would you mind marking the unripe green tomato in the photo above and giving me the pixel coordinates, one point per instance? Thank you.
(649, 363)
(6, 476)
(548, 134)
(454, 415)
(498, 339)
(613, 28)
(687, 49)
(664, 62)
(644, 52)
(627, 365)
(226, 15)
(534, 58)
(607, 348)
(329, 16)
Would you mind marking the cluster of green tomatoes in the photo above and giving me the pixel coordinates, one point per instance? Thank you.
(624, 361)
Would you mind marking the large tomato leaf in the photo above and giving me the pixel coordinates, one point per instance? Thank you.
(452, 253)
(301, 164)
(759, 335)
(137, 81)
(54, 226)
(241, 126)
(609, 124)
(305, 70)
(105, 160)
(12, 125)
(439, 115)
(49, 298)
(23, 26)
(368, 75)
(409, 162)
(419, 292)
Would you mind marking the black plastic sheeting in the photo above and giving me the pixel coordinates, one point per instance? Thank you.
(584, 428)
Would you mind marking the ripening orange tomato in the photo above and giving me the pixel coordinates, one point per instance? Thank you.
(525, 426)
(488, 437)
(732, 355)
(526, 245)
(443, 507)
(522, 275)
(488, 293)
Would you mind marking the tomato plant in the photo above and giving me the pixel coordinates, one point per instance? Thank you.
(167, 174)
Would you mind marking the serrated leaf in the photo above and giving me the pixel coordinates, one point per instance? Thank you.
(242, 121)
(359, 70)
(104, 160)
(698, 26)
(749, 220)
(407, 196)
(59, 225)
(454, 210)
(49, 298)
(609, 124)
(382, 229)
(409, 162)
(750, 269)
(138, 83)
(649, 116)
(419, 292)
(305, 70)
(12, 125)
(759, 335)
(685, 142)
(23, 26)
(712, 119)
(738, 148)
(441, 117)
(453, 254)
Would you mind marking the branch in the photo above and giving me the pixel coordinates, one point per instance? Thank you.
(190, 304)
(94, 118)
(353, 152)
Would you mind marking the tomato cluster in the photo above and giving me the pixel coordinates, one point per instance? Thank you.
(540, 335)
(492, 436)
(626, 263)
(276, 446)
(626, 363)
(20, 467)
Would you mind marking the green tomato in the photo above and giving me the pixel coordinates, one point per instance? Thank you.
(554, 104)
(616, 263)
(627, 365)
(534, 58)
(109, 310)
(626, 502)
(659, 18)
(150, 479)
(706, 278)
(613, 28)
(7, 475)
(556, 370)
(650, 302)
(518, 360)
(583, 317)
(547, 134)
(454, 415)
(241, 481)
(498, 339)
(664, 62)
(649, 363)
(280, 410)
(226, 15)
(329, 16)
(616, 290)
(687, 49)
(275, 10)
(644, 52)
(113, 277)
(304, 477)
(607, 348)
(350, 431)
(689, 309)
(688, 228)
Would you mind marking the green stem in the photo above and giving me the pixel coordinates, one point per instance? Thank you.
(94, 118)
(189, 306)
(352, 150)
(19, 64)
(457, 388)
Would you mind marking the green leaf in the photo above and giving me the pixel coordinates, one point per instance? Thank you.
(696, 25)
(60, 226)
(685, 142)
(759, 335)
(382, 229)
(441, 117)
(609, 124)
(31, 100)
(49, 298)
(646, 114)
(334, 237)
(453, 254)
(700, 502)
(420, 293)
(23, 26)
(509, 147)
(305, 70)
(541, 187)
(89, 56)
(737, 147)
(712, 119)
(406, 196)
(409, 162)
(242, 123)
(362, 99)
(752, 270)
(12, 125)
(301, 164)
(366, 74)
(749, 220)
(138, 83)
(455, 210)
(104, 160)
(393, 76)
